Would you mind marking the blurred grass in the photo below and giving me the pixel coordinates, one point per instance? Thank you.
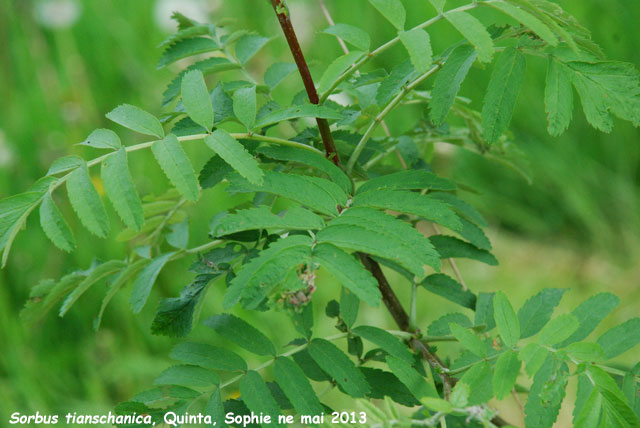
(568, 229)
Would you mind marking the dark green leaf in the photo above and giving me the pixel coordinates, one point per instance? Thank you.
(55, 226)
(186, 375)
(384, 340)
(558, 98)
(474, 31)
(506, 373)
(296, 387)
(418, 385)
(145, 280)
(590, 313)
(195, 98)
(620, 338)
(536, 312)
(87, 203)
(448, 246)
(235, 155)
(249, 45)
(186, 48)
(506, 319)
(207, 356)
(334, 362)
(241, 333)
(450, 289)
(176, 166)
(418, 44)
(122, 193)
(349, 306)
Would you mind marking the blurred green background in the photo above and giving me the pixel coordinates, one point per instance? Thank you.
(65, 63)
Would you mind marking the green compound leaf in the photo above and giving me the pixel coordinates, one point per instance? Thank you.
(295, 218)
(176, 166)
(102, 139)
(393, 10)
(474, 31)
(469, 340)
(620, 338)
(506, 372)
(256, 395)
(374, 232)
(449, 80)
(415, 383)
(590, 313)
(350, 34)
(418, 44)
(335, 363)
(558, 98)
(410, 203)
(136, 119)
(55, 226)
(144, 282)
(186, 48)
(234, 153)
(407, 180)
(186, 375)
(312, 192)
(241, 333)
(386, 341)
(296, 387)
(256, 279)
(536, 312)
(277, 72)
(506, 319)
(305, 157)
(558, 329)
(120, 189)
(97, 274)
(296, 112)
(87, 203)
(447, 287)
(502, 93)
(449, 246)
(195, 98)
(207, 356)
(351, 274)
(528, 20)
(244, 106)
(249, 45)
(336, 68)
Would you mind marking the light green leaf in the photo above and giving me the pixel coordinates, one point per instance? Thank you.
(447, 287)
(350, 34)
(306, 157)
(506, 319)
(449, 246)
(208, 66)
(337, 365)
(186, 48)
(115, 284)
(244, 106)
(386, 341)
(448, 81)
(407, 180)
(196, 30)
(98, 273)
(418, 45)
(336, 68)
(469, 340)
(506, 372)
(176, 166)
(312, 192)
(526, 19)
(277, 72)
(295, 218)
(144, 282)
(533, 356)
(410, 203)
(393, 10)
(438, 4)
(546, 394)
(46, 294)
(590, 313)
(415, 383)
(64, 164)
(296, 112)
(349, 306)
(55, 226)
(136, 119)
(440, 327)
(241, 333)
(558, 98)
(207, 356)
(558, 329)
(479, 379)
(589, 416)
(536, 311)
(621, 338)
(586, 351)
(119, 186)
(249, 45)
(186, 375)
(351, 274)
(474, 31)
(87, 203)
(437, 404)
(256, 395)
(460, 395)
(215, 408)
(102, 139)
(195, 98)
(234, 153)
(502, 93)
(296, 387)
(374, 232)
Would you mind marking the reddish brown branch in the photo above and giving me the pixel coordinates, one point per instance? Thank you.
(287, 28)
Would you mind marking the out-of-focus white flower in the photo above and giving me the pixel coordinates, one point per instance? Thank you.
(195, 9)
(57, 13)
(6, 155)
